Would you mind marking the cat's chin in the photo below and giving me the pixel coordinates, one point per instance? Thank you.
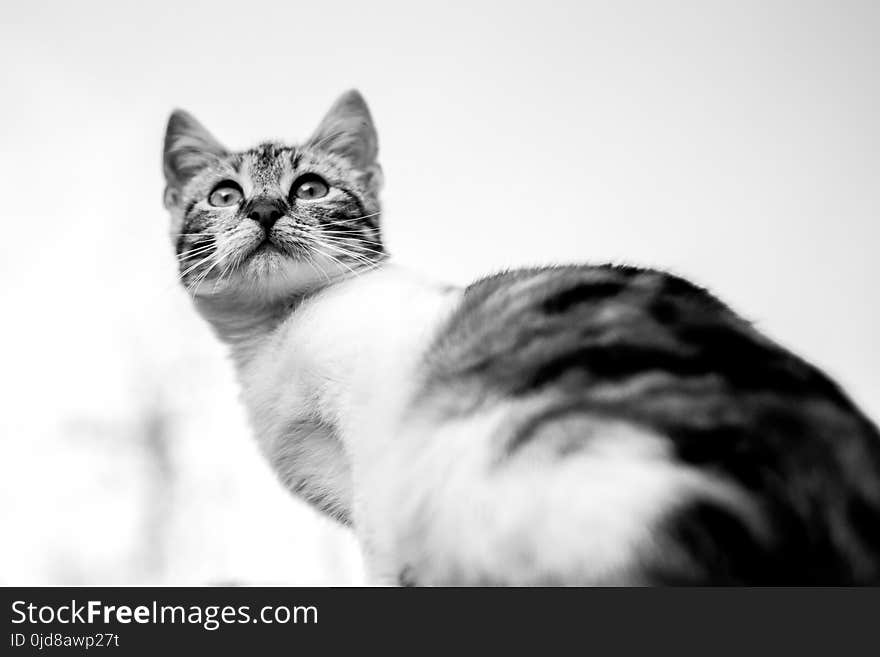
(270, 275)
(268, 258)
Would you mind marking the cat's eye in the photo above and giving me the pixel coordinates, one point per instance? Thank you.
(225, 194)
(310, 187)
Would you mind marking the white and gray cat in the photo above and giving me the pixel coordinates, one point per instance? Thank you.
(565, 425)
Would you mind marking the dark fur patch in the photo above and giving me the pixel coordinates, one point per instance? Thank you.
(636, 346)
(714, 545)
(583, 293)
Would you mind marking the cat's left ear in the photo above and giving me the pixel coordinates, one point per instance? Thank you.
(347, 130)
(188, 148)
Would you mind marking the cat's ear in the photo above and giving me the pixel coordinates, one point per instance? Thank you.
(188, 148)
(347, 130)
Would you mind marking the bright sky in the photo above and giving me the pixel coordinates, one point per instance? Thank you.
(734, 142)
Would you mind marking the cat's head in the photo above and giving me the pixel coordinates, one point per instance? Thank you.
(275, 219)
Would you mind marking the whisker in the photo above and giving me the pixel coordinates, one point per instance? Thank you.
(345, 253)
(354, 219)
(342, 252)
(343, 242)
(348, 235)
(186, 255)
(360, 260)
(218, 259)
(201, 279)
(228, 269)
(195, 266)
(336, 260)
(192, 284)
(347, 231)
(340, 246)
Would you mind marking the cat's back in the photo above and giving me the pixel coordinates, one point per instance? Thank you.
(632, 409)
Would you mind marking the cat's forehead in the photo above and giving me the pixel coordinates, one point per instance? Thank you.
(271, 161)
(265, 162)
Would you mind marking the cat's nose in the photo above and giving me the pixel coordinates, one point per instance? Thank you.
(265, 212)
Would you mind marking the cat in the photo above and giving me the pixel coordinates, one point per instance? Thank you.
(566, 425)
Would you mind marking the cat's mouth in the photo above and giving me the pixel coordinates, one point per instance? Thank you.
(272, 251)
(266, 246)
(270, 246)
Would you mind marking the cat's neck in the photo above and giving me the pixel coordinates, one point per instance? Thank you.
(362, 309)
(244, 316)
(243, 323)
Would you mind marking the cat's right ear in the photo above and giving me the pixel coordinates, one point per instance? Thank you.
(188, 148)
(347, 130)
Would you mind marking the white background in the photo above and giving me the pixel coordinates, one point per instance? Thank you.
(737, 143)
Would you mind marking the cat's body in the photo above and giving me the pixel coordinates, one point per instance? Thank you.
(569, 425)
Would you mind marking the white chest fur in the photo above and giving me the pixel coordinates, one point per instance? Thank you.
(325, 389)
